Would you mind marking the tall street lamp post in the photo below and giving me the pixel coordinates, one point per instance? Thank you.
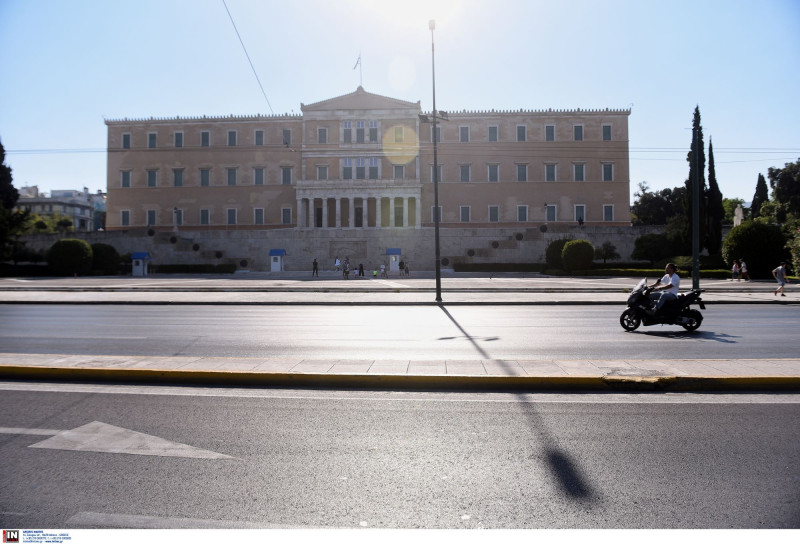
(432, 26)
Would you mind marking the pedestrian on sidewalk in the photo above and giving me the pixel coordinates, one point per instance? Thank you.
(780, 276)
(337, 263)
(745, 275)
(735, 270)
(315, 269)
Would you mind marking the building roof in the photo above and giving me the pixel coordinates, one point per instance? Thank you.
(359, 100)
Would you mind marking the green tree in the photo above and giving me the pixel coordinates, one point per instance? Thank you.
(652, 247)
(606, 251)
(697, 165)
(655, 208)
(11, 222)
(785, 183)
(105, 259)
(70, 256)
(552, 254)
(577, 255)
(761, 195)
(715, 212)
(761, 245)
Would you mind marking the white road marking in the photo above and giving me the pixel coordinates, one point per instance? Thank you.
(104, 438)
(127, 521)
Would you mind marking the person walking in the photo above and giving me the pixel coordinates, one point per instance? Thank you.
(735, 270)
(337, 263)
(314, 269)
(743, 265)
(780, 276)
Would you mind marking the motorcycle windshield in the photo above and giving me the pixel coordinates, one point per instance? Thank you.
(640, 285)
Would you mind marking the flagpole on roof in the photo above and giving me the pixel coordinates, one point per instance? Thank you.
(360, 75)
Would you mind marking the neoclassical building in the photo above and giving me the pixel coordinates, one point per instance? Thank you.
(359, 167)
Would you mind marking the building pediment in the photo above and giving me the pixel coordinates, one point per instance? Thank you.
(359, 100)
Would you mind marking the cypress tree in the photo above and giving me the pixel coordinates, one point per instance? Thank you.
(696, 164)
(761, 196)
(715, 211)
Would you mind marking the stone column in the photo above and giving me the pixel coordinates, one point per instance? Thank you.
(338, 212)
(324, 213)
(417, 202)
(352, 212)
(378, 212)
(300, 224)
(405, 211)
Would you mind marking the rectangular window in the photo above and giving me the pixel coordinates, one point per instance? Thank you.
(152, 140)
(493, 134)
(205, 138)
(578, 132)
(322, 173)
(286, 216)
(606, 133)
(373, 132)
(231, 138)
(258, 176)
(258, 216)
(152, 178)
(126, 141)
(322, 135)
(608, 212)
(522, 133)
(259, 137)
(205, 177)
(125, 218)
(550, 213)
(347, 136)
(579, 171)
(361, 169)
(205, 217)
(494, 172)
(177, 217)
(464, 170)
(347, 169)
(286, 175)
(287, 137)
(464, 214)
(231, 213)
(398, 134)
(522, 213)
(178, 136)
(608, 172)
(549, 133)
(433, 214)
(522, 172)
(494, 214)
(373, 168)
(125, 179)
(151, 218)
(360, 132)
(549, 172)
(231, 176)
(438, 172)
(399, 171)
(580, 213)
(177, 177)
(463, 134)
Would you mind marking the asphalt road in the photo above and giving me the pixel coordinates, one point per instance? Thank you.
(387, 333)
(289, 459)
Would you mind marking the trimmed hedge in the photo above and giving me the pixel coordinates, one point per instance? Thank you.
(70, 257)
(193, 269)
(577, 255)
(105, 260)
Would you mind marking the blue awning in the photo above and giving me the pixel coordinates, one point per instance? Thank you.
(394, 251)
(277, 252)
(143, 255)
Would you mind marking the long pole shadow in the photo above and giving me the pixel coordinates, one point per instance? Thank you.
(568, 475)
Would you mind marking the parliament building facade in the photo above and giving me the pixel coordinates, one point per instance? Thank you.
(353, 175)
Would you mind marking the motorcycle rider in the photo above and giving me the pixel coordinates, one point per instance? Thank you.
(665, 289)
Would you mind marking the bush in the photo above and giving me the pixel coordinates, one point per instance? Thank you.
(577, 255)
(762, 247)
(70, 257)
(552, 255)
(105, 259)
(652, 247)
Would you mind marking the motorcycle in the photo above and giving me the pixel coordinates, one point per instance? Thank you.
(674, 312)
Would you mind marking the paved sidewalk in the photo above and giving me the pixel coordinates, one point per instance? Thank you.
(287, 288)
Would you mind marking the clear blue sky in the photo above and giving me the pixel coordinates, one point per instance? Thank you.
(65, 65)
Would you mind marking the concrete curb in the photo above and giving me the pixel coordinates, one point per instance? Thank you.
(167, 302)
(409, 382)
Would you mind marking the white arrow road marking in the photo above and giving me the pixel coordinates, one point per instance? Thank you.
(104, 438)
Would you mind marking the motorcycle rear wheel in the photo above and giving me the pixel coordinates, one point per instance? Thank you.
(696, 317)
(630, 320)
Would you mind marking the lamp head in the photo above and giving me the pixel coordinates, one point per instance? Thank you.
(432, 24)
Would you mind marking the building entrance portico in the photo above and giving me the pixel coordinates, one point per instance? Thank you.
(397, 209)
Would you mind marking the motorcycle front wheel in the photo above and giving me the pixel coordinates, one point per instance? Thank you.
(696, 317)
(630, 320)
